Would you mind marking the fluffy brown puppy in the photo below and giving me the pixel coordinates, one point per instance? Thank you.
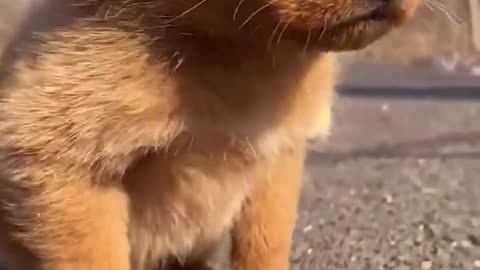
(135, 133)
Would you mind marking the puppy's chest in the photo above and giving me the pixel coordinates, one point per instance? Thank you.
(183, 199)
(181, 203)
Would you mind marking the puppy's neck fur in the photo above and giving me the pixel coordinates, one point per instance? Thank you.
(204, 25)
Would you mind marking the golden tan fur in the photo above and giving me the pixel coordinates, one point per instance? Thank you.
(142, 131)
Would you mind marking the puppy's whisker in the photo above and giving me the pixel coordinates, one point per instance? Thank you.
(186, 11)
(237, 9)
(435, 5)
(307, 41)
(279, 39)
(260, 9)
(324, 30)
(272, 36)
(429, 6)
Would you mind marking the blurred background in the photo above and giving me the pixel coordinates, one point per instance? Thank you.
(442, 29)
(397, 186)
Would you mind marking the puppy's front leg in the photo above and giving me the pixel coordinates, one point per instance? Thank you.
(263, 235)
(58, 218)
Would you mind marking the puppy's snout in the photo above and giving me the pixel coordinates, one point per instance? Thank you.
(393, 11)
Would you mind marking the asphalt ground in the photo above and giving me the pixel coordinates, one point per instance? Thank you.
(397, 186)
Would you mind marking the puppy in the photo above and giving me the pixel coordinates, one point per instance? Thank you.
(135, 133)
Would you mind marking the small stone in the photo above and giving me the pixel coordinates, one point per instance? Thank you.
(466, 244)
(388, 198)
(385, 108)
(307, 228)
(426, 265)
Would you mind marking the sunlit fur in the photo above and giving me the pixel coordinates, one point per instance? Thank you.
(142, 131)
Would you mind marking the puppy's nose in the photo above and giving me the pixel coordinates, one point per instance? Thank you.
(400, 10)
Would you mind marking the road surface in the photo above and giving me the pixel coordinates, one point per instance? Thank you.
(398, 185)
